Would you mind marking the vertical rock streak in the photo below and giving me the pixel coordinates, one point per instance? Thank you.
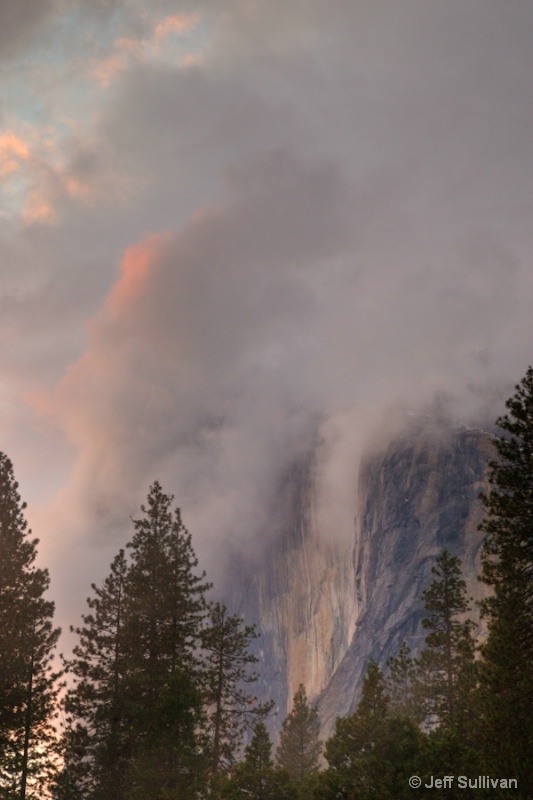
(325, 607)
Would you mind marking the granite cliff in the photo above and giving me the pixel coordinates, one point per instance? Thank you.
(326, 606)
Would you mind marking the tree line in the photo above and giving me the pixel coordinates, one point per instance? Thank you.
(157, 698)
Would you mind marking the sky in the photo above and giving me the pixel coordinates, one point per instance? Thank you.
(232, 231)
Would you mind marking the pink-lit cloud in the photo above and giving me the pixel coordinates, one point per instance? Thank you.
(178, 23)
(128, 51)
(166, 377)
(46, 171)
(110, 67)
(345, 195)
(13, 151)
(38, 209)
(223, 347)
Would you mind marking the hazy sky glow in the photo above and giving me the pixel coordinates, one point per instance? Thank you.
(227, 225)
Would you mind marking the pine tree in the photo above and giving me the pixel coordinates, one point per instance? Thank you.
(135, 708)
(353, 744)
(168, 761)
(166, 610)
(447, 663)
(166, 598)
(256, 777)
(507, 566)
(258, 764)
(28, 684)
(98, 738)
(227, 661)
(403, 685)
(299, 748)
(372, 752)
(360, 732)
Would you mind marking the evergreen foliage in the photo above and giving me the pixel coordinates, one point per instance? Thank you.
(372, 752)
(98, 742)
(160, 698)
(169, 761)
(256, 777)
(445, 751)
(165, 611)
(446, 668)
(403, 685)
(28, 683)
(230, 707)
(135, 709)
(507, 679)
(300, 748)
(161, 680)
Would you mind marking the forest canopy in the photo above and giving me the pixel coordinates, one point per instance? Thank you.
(160, 698)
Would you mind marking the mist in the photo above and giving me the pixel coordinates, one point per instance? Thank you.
(269, 235)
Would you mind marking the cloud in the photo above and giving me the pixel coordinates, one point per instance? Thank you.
(129, 50)
(178, 23)
(19, 24)
(198, 341)
(13, 150)
(326, 216)
(224, 349)
(45, 172)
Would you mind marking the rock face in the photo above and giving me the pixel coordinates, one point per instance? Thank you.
(418, 497)
(324, 608)
(302, 598)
